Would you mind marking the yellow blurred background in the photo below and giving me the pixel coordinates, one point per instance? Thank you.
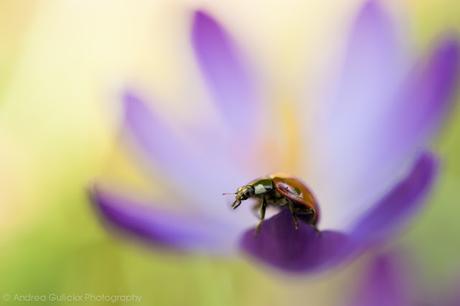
(62, 64)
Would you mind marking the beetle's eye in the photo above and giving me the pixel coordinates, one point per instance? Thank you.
(246, 193)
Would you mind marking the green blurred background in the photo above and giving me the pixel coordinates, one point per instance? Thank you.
(61, 65)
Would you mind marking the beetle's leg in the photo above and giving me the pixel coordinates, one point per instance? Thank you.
(294, 217)
(262, 209)
(256, 208)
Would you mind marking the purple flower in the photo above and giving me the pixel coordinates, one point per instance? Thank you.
(386, 282)
(369, 168)
(389, 280)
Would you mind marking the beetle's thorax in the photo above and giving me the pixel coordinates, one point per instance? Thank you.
(262, 186)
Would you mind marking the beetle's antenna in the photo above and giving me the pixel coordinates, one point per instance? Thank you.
(227, 193)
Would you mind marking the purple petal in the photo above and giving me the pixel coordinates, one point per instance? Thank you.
(400, 204)
(384, 284)
(225, 72)
(158, 227)
(372, 60)
(155, 137)
(451, 293)
(426, 99)
(280, 245)
(372, 30)
(370, 147)
(348, 146)
(195, 172)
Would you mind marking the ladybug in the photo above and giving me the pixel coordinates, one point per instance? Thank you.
(280, 191)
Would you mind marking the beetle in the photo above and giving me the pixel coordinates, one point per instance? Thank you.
(281, 191)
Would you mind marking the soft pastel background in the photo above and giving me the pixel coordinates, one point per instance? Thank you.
(62, 63)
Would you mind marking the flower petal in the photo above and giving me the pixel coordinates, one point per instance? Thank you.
(419, 110)
(400, 204)
(384, 284)
(156, 138)
(374, 52)
(280, 245)
(370, 144)
(158, 227)
(163, 149)
(343, 154)
(197, 175)
(374, 62)
(452, 298)
(425, 100)
(225, 72)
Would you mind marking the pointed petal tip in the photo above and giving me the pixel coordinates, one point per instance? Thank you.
(101, 200)
(444, 59)
(114, 210)
(451, 40)
(373, 21)
(425, 171)
(372, 18)
(129, 99)
(371, 6)
(201, 16)
(157, 227)
(448, 49)
(136, 113)
(109, 212)
(371, 9)
(202, 24)
(225, 71)
(430, 161)
(95, 195)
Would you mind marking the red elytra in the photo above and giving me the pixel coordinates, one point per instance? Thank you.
(287, 187)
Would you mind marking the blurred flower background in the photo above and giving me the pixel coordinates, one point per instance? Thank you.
(62, 64)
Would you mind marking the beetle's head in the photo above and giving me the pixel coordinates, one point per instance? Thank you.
(244, 192)
(241, 194)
